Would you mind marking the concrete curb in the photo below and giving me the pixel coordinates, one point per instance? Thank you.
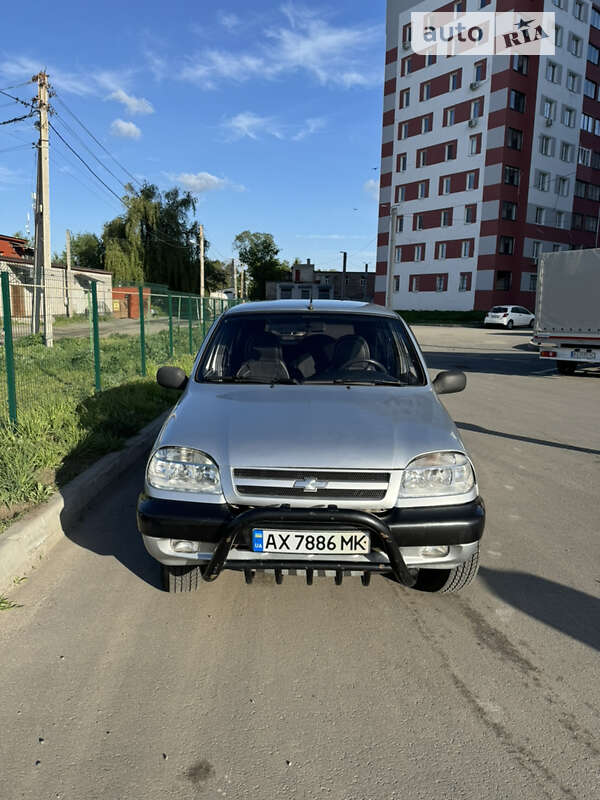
(33, 536)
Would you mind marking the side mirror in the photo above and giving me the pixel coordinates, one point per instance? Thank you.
(451, 381)
(171, 378)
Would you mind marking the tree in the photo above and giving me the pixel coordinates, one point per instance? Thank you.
(258, 252)
(87, 252)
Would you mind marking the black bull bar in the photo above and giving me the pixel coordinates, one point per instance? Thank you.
(309, 518)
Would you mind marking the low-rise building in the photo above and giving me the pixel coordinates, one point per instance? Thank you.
(306, 282)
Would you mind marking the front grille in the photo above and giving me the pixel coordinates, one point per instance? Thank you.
(279, 484)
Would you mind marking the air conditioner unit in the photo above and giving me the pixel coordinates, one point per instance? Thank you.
(475, 85)
(406, 45)
(473, 123)
(549, 122)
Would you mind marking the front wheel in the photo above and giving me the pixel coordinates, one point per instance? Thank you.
(181, 579)
(448, 580)
(510, 324)
(566, 367)
(531, 323)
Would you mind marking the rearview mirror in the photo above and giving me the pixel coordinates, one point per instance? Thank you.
(451, 381)
(171, 378)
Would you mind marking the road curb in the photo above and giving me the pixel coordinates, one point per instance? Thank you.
(33, 536)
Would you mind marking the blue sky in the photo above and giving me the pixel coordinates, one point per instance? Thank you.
(269, 112)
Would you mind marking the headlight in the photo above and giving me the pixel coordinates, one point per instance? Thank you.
(181, 469)
(437, 474)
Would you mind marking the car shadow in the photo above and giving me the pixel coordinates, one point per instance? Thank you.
(494, 362)
(468, 426)
(569, 611)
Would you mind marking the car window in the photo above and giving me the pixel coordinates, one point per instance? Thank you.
(499, 310)
(310, 347)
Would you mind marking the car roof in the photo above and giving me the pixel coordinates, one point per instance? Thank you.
(330, 306)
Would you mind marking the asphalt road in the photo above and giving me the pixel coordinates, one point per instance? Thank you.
(113, 689)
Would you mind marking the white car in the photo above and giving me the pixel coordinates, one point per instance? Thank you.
(510, 317)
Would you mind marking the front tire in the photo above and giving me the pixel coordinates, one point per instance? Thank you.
(443, 581)
(181, 579)
(531, 323)
(566, 367)
(510, 324)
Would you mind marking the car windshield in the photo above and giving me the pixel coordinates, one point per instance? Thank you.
(499, 310)
(311, 347)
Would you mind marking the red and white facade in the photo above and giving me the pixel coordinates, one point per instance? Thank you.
(486, 162)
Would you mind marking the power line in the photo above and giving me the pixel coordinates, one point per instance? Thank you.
(101, 196)
(16, 147)
(17, 119)
(16, 85)
(17, 99)
(98, 142)
(84, 162)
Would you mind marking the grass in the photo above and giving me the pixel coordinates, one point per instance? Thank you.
(63, 427)
(6, 604)
(78, 319)
(471, 318)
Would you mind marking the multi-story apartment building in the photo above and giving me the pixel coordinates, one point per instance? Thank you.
(486, 161)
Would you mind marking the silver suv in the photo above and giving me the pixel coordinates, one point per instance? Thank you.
(309, 439)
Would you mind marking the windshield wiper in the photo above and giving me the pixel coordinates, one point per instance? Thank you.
(370, 382)
(265, 382)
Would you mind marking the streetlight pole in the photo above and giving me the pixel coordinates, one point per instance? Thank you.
(344, 264)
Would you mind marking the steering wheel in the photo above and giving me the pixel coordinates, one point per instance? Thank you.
(368, 361)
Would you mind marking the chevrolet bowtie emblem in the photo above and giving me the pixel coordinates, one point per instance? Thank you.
(310, 484)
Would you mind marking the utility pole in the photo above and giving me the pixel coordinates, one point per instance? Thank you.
(242, 287)
(344, 263)
(234, 270)
(43, 258)
(68, 272)
(366, 280)
(202, 274)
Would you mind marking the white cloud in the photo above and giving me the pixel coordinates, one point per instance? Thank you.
(310, 126)
(126, 130)
(201, 182)
(346, 56)
(135, 105)
(10, 176)
(249, 124)
(22, 68)
(371, 187)
(229, 20)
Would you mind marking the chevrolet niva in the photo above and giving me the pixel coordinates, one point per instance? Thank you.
(309, 439)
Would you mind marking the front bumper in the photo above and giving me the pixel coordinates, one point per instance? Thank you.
(225, 534)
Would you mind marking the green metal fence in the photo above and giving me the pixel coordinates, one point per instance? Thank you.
(102, 336)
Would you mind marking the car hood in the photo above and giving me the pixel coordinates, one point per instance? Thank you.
(368, 427)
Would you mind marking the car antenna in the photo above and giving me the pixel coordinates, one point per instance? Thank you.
(310, 301)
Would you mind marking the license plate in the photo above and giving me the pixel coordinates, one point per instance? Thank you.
(321, 542)
(590, 355)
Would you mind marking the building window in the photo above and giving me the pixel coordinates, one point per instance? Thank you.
(502, 280)
(556, 248)
(590, 224)
(406, 66)
(305, 294)
(421, 158)
(414, 283)
(398, 253)
(470, 214)
(566, 152)
(474, 144)
(592, 192)
(403, 130)
(446, 218)
(401, 194)
(514, 139)
(445, 186)
(560, 3)
(560, 219)
(401, 162)
(471, 180)
(546, 145)
(539, 215)
(429, 59)
(516, 101)
(549, 108)
(506, 245)
(558, 35)
(464, 282)
(562, 186)
(553, 72)
(426, 91)
(587, 123)
(520, 64)
(536, 249)
(579, 10)
(449, 116)
(285, 292)
(405, 98)
(399, 224)
(568, 117)
(441, 250)
(509, 210)
(511, 176)
(477, 108)
(584, 156)
(426, 123)
(590, 88)
(479, 74)
(542, 180)
(422, 189)
(593, 54)
(419, 252)
(573, 82)
(440, 283)
(577, 222)
(418, 222)
(396, 283)
(465, 249)
(450, 151)
(595, 160)
(454, 80)
(532, 281)
(595, 19)
(579, 189)
(575, 45)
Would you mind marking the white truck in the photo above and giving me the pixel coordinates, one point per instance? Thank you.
(567, 312)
